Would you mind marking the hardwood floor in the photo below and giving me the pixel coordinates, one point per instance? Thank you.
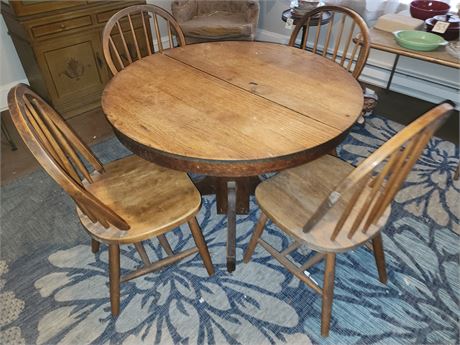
(93, 127)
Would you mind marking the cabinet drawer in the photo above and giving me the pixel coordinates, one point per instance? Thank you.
(29, 7)
(60, 26)
(103, 17)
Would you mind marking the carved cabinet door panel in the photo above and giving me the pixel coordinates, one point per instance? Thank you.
(74, 70)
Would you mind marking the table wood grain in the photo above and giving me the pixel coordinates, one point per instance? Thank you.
(232, 108)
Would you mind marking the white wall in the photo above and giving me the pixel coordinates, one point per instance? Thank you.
(414, 82)
(11, 71)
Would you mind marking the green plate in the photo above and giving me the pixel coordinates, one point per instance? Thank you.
(419, 40)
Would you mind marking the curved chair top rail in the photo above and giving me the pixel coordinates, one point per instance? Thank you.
(350, 45)
(128, 35)
(369, 193)
(59, 150)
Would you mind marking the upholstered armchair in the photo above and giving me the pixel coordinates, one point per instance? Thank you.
(203, 20)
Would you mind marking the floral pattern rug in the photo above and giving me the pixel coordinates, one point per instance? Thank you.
(58, 294)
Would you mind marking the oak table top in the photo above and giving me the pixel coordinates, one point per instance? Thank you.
(232, 110)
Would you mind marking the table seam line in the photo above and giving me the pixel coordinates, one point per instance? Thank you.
(241, 88)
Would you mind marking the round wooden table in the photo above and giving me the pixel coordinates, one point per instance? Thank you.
(232, 111)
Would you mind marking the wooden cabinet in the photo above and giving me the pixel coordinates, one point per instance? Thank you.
(29, 7)
(59, 45)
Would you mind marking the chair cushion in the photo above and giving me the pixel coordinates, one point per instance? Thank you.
(150, 198)
(217, 24)
(292, 197)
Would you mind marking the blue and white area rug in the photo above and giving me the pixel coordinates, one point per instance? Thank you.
(54, 290)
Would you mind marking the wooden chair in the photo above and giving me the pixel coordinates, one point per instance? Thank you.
(348, 44)
(124, 202)
(127, 35)
(332, 207)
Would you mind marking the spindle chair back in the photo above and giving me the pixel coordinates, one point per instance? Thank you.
(344, 39)
(331, 207)
(122, 189)
(372, 186)
(60, 151)
(138, 31)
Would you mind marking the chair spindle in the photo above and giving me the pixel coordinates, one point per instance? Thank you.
(335, 44)
(328, 35)
(137, 21)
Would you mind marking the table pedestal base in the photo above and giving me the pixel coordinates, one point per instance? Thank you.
(232, 198)
(218, 186)
(232, 189)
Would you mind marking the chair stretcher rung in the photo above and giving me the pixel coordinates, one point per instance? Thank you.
(293, 246)
(312, 261)
(159, 264)
(369, 246)
(290, 266)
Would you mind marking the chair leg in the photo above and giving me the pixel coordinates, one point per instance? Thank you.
(165, 244)
(201, 244)
(7, 136)
(328, 294)
(333, 152)
(377, 245)
(142, 253)
(255, 237)
(457, 172)
(95, 245)
(114, 278)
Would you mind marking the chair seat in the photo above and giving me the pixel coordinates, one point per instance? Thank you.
(150, 198)
(215, 25)
(292, 197)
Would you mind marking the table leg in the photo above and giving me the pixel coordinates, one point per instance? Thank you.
(232, 198)
(206, 185)
(392, 73)
(218, 186)
(231, 225)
